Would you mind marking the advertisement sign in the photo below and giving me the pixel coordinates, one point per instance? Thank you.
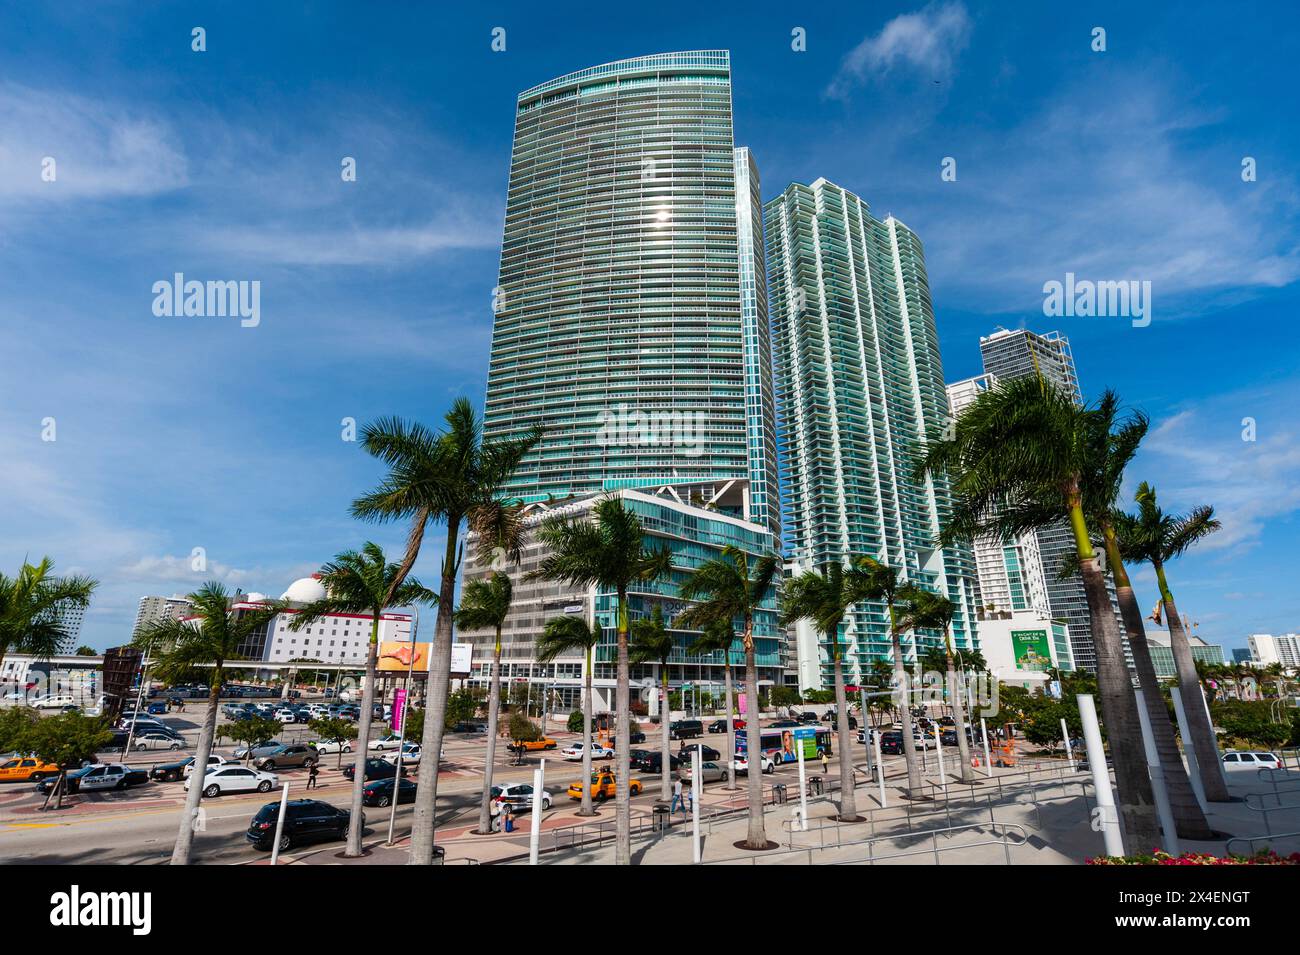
(743, 706)
(395, 657)
(460, 659)
(399, 708)
(1031, 650)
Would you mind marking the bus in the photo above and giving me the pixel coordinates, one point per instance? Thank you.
(779, 744)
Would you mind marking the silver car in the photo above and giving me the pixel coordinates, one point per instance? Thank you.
(261, 749)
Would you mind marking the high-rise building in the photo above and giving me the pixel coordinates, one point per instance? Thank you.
(859, 386)
(1162, 655)
(631, 310)
(1019, 354)
(1283, 649)
(154, 610)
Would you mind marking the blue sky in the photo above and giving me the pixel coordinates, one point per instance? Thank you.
(176, 433)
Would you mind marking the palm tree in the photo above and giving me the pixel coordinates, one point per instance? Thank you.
(728, 589)
(454, 477)
(880, 582)
(180, 650)
(31, 605)
(718, 636)
(485, 604)
(824, 598)
(1154, 537)
(607, 552)
(1018, 458)
(651, 643)
(935, 612)
(565, 635)
(362, 583)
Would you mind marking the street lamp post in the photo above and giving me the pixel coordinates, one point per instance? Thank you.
(401, 732)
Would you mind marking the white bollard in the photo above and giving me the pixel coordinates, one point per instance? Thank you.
(984, 738)
(1189, 750)
(938, 752)
(880, 769)
(803, 787)
(279, 824)
(1157, 773)
(1069, 750)
(535, 833)
(697, 791)
(1105, 810)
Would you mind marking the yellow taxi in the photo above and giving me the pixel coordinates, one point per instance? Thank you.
(544, 743)
(602, 787)
(22, 769)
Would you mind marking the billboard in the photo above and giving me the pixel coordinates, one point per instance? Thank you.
(461, 654)
(396, 657)
(1031, 650)
(120, 667)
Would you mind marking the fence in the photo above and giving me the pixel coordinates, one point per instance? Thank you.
(1003, 838)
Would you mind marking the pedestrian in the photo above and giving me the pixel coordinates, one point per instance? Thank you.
(678, 800)
(312, 773)
(826, 763)
(509, 823)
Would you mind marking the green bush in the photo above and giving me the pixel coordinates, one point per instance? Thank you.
(575, 722)
(523, 730)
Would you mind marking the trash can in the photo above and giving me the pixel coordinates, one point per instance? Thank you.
(778, 793)
(660, 819)
(815, 786)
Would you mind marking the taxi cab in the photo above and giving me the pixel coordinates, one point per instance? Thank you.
(544, 743)
(21, 769)
(602, 787)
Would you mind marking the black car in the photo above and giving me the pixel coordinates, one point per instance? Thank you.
(380, 793)
(307, 820)
(718, 726)
(653, 763)
(470, 726)
(784, 724)
(832, 719)
(891, 743)
(684, 755)
(375, 769)
(636, 736)
(685, 729)
(807, 717)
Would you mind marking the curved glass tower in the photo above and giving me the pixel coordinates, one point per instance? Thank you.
(631, 310)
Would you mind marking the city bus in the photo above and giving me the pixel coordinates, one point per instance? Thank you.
(780, 743)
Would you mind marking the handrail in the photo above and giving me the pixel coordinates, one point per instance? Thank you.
(1251, 840)
(872, 858)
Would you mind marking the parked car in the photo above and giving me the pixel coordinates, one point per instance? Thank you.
(379, 792)
(410, 755)
(602, 786)
(518, 796)
(328, 746)
(175, 772)
(783, 724)
(765, 763)
(21, 769)
(52, 702)
(720, 726)
(257, 749)
(684, 754)
(157, 708)
(155, 740)
(806, 717)
(296, 754)
(470, 726)
(710, 771)
(286, 715)
(375, 769)
(1237, 761)
(685, 729)
(573, 752)
(391, 741)
(234, 779)
(98, 777)
(305, 820)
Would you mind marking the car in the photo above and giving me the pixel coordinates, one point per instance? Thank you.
(379, 792)
(391, 741)
(295, 754)
(891, 743)
(286, 715)
(806, 717)
(410, 755)
(155, 740)
(234, 778)
(534, 744)
(97, 777)
(518, 796)
(833, 719)
(685, 729)
(573, 752)
(175, 772)
(636, 736)
(52, 702)
(783, 724)
(710, 771)
(470, 726)
(21, 769)
(765, 762)
(375, 769)
(157, 708)
(327, 746)
(653, 762)
(1237, 760)
(305, 820)
(257, 749)
(684, 754)
(720, 726)
(602, 786)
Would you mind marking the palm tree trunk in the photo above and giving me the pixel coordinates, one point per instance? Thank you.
(424, 821)
(586, 809)
(904, 706)
(848, 787)
(353, 849)
(665, 711)
(959, 714)
(489, 759)
(622, 744)
(1189, 820)
(731, 725)
(757, 838)
(1202, 741)
(185, 832)
(1118, 704)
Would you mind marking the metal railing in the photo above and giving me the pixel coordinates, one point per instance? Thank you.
(1249, 841)
(1003, 839)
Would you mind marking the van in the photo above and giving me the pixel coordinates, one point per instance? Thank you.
(686, 729)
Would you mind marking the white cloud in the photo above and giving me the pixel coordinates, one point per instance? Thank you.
(363, 246)
(927, 41)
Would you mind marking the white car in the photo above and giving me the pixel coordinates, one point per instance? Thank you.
(154, 741)
(391, 741)
(52, 702)
(235, 779)
(519, 795)
(1235, 761)
(214, 761)
(764, 761)
(410, 755)
(286, 716)
(573, 752)
(328, 746)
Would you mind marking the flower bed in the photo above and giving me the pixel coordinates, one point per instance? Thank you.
(1159, 857)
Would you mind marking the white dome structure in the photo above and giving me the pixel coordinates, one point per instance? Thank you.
(305, 590)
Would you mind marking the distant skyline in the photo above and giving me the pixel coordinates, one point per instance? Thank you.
(175, 433)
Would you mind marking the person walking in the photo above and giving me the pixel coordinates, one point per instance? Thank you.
(826, 763)
(312, 773)
(677, 798)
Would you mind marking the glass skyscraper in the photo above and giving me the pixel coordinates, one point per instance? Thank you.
(859, 385)
(631, 310)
